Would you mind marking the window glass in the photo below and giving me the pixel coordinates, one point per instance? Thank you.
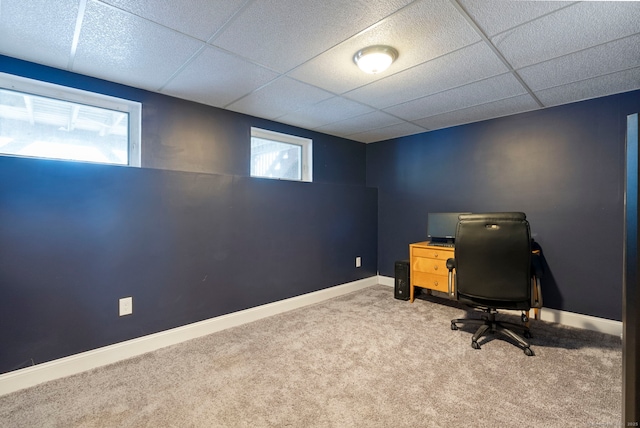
(281, 156)
(275, 160)
(41, 120)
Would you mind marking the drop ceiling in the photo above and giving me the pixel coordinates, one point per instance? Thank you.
(290, 61)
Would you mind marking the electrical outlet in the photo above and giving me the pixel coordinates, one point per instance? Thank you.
(126, 306)
(358, 261)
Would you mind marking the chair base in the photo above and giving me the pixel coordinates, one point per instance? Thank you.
(490, 325)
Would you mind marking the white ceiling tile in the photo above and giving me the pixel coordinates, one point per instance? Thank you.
(281, 96)
(492, 89)
(571, 29)
(420, 32)
(601, 86)
(386, 133)
(496, 16)
(40, 30)
(217, 78)
(197, 18)
(327, 111)
(285, 33)
(458, 68)
(121, 47)
(610, 57)
(445, 75)
(480, 112)
(360, 123)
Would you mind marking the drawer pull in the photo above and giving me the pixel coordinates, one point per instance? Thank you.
(435, 283)
(435, 268)
(435, 254)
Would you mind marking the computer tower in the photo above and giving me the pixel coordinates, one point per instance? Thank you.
(401, 289)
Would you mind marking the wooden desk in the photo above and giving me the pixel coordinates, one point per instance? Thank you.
(428, 267)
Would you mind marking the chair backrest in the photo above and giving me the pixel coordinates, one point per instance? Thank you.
(493, 257)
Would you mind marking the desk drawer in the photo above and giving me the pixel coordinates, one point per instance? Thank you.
(431, 266)
(427, 280)
(430, 253)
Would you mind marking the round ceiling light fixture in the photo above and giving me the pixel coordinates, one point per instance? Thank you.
(375, 59)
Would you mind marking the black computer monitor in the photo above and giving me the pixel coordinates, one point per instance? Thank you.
(441, 227)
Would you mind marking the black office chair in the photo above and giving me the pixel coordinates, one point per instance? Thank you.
(491, 270)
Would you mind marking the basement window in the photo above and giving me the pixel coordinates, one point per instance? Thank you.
(280, 156)
(43, 120)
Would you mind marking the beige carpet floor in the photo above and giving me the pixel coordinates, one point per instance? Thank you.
(360, 360)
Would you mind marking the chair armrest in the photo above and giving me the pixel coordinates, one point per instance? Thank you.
(451, 265)
(537, 267)
(536, 292)
(537, 271)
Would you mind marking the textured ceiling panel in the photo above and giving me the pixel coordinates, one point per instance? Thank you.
(494, 88)
(458, 68)
(282, 34)
(366, 122)
(328, 111)
(197, 18)
(218, 78)
(278, 98)
(564, 32)
(480, 112)
(610, 57)
(388, 132)
(40, 30)
(292, 60)
(420, 32)
(127, 49)
(591, 88)
(496, 16)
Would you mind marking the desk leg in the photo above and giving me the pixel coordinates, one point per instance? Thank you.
(411, 293)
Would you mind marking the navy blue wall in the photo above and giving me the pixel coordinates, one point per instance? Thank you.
(190, 236)
(186, 136)
(563, 166)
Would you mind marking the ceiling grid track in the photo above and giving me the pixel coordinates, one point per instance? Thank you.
(82, 7)
(209, 42)
(495, 50)
(287, 73)
(460, 62)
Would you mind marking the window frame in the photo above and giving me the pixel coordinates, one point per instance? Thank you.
(92, 99)
(306, 157)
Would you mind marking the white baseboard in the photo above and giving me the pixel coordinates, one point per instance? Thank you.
(386, 280)
(30, 376)
(585, 322)
(570, 319)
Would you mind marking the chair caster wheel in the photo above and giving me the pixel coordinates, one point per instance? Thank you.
(454, 326)
(527, 334)
(528, 352)
(475, 345)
